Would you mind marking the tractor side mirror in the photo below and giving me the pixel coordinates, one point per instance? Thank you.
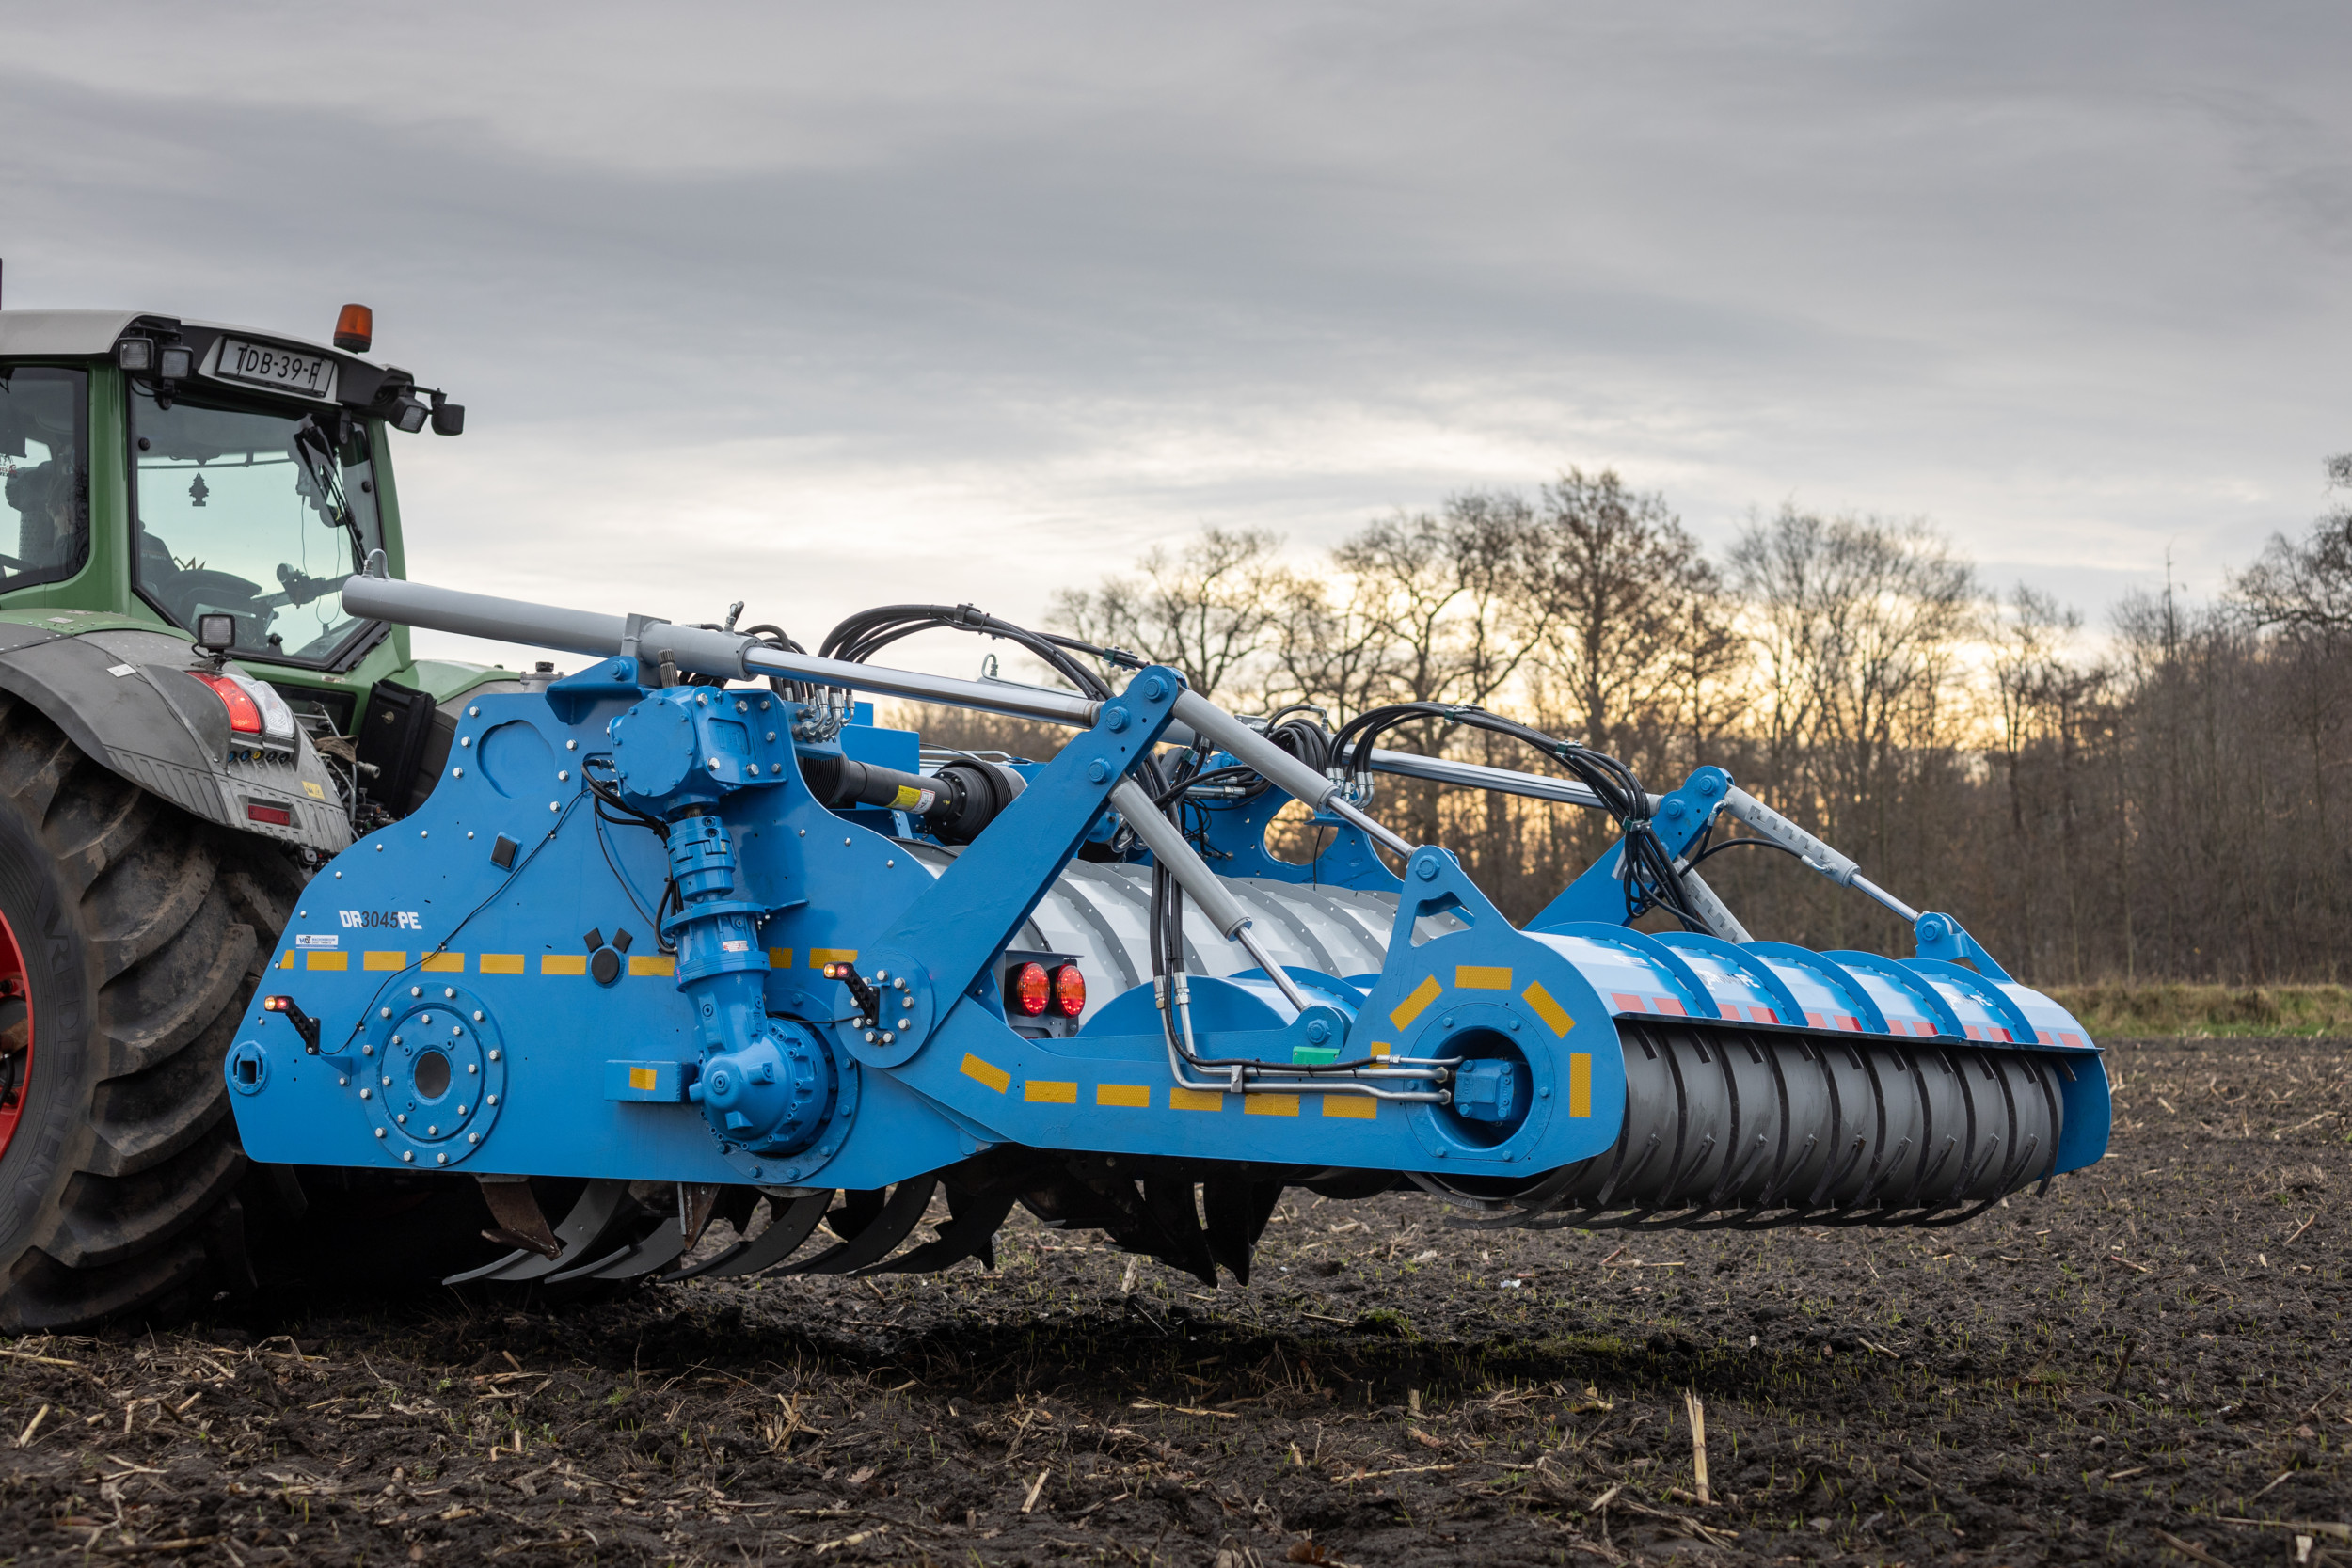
(448, 419)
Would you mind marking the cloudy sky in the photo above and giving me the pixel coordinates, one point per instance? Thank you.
(826, 306)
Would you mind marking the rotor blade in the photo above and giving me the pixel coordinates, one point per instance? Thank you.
(970, 1232)
(520, 1222)
(897, 1220)
(789, 1226)
(1169, 1201)
(656, 1249)
(583, 1235)
(1238, 1211)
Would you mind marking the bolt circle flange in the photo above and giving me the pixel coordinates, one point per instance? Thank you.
(447, 1077)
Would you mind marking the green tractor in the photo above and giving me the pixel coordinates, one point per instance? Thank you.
(190, 724)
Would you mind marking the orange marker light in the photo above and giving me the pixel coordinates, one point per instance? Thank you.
(355, 329)
(1069, 991)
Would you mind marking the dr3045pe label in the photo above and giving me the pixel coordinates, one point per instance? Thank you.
(386, 920)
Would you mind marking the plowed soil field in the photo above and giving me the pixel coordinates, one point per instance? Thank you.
(2149, 1364)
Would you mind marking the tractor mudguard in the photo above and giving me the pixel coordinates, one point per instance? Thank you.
(125, 697)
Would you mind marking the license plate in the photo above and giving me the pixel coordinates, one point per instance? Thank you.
(288, 370)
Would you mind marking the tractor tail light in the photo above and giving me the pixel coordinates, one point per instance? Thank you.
(1069, 992)
(245, 714)
(1032, 989)
(354, 329)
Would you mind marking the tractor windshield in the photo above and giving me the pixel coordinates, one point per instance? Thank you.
(254, 511)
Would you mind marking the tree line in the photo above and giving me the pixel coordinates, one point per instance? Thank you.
(2166, 806)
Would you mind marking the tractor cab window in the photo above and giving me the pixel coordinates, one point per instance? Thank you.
(257, 512)
(44, 461)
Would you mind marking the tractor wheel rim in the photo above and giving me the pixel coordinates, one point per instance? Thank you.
(16, 1034)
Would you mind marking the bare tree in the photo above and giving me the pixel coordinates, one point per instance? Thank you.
(1209, 610)
(1639, 630)
(2305, 585)
(1858, 620)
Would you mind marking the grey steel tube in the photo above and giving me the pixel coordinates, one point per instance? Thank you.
(1278, 767)
(725, 655)
(1159, 836)
(1838, 867)
(1472, 775)
(987, 696)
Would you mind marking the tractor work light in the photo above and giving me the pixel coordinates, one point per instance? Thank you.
(1032, 990)
(216, 633)
(408, 416)
(136, 354)
(354, 329)
(177, 362)
(1069, 991)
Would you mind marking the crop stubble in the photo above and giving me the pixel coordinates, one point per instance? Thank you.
(2149, 1363)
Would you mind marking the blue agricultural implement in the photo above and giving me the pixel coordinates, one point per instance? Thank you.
(686, 934)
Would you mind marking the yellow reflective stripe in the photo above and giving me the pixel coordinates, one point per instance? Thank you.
(562, 963)
(653, 963)
(1579, 1083)
(381, 959)
(1194, 1099)
(779, 958)
(820, 956)
(1480, 977)
(501, 963)
(1356, 1105)
(642, 1078)
(1412, 1007)
(1040, 1092)
(994, 1077)
(336, 961)
(1133, 1097)
(1545, 1009)
(1270, 1105)
(288, 961)
(445, 963)
(1381, 1048)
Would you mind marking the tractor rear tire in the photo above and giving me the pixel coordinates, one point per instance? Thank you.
(136, 934)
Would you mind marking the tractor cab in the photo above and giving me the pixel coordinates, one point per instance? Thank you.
(221, 483)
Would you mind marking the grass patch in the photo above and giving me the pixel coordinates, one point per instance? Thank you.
(2140, 1012)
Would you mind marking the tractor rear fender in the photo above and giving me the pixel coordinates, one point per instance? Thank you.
(125, 698)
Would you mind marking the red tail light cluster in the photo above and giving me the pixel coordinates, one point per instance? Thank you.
(1033, 989)
(245, 714)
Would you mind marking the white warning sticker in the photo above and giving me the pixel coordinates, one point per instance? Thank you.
(309, 939)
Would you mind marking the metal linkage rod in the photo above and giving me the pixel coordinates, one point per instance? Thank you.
(1472, 775)
(1203, 885)
(1839, 868)
(1279, 768)
(725, 655)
